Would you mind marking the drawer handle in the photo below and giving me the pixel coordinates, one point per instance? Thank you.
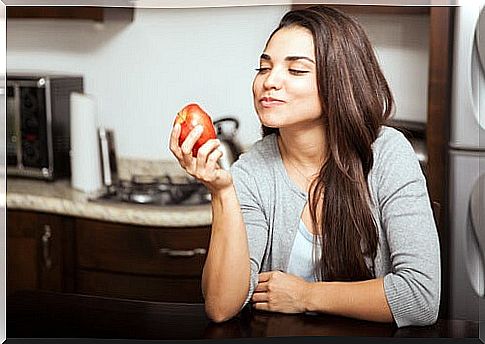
(46, 238)
(183, 253)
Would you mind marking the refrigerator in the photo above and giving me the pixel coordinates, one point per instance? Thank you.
(467, 166)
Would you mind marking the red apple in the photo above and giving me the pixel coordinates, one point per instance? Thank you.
(188, 118)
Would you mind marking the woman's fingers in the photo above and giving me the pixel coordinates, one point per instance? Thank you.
(212, 160)
(190, 140)
(174, 142)
(260, 297)
(265, 276)
(261, 287)
(206, 154)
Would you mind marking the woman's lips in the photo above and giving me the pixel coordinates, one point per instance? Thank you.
(268, 102)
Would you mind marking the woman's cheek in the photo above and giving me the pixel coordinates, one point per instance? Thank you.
(255, 87)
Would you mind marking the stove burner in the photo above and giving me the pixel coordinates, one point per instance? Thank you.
(158, 190)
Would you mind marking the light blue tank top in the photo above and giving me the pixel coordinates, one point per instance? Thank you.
(301, 256)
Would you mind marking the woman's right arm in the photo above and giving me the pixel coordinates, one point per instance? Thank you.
(226, 274)
(225, 278)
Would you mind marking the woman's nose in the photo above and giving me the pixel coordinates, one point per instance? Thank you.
(273, 79)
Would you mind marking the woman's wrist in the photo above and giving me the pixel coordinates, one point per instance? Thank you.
(221, 194)
(312, 300)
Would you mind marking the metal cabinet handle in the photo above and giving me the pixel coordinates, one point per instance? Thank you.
(46, 241)
(183, 253)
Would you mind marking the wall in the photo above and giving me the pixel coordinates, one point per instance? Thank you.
(143, 72)
(402, 47)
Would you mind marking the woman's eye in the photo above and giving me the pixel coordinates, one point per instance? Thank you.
(298, 72)
(261, 70)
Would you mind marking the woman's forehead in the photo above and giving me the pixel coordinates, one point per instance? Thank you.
(291, 41)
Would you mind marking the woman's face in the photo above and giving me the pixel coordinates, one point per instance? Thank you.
(285, 87)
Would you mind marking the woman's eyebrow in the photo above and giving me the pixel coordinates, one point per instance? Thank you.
(266, 57)
(294, 58)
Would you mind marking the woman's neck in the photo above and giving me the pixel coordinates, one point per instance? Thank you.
(304, 148)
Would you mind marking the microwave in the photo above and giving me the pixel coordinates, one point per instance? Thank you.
(38, 125)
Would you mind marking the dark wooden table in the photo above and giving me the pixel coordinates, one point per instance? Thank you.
(34, 314)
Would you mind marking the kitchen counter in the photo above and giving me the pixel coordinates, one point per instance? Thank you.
(60, 198)
(52, 315)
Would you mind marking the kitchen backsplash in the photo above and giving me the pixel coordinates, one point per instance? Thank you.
(142, 72)
(127, 167)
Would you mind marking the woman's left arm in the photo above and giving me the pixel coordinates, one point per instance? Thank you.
(281, 292)
(413, 284)
(364, 300)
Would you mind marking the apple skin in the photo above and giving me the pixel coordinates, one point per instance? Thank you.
(189, 117)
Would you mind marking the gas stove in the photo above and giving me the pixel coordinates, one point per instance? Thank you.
(156, 190)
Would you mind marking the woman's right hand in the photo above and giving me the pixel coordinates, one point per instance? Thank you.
(204, 167)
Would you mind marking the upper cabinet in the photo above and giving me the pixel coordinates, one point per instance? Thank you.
(97, 14)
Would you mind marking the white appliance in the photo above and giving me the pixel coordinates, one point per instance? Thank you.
(467, 164)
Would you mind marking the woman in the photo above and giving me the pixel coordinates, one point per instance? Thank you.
(329, 211)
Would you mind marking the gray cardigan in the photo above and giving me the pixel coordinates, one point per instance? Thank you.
(408, 254)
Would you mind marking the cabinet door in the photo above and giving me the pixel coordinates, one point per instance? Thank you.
(98, 14)
(34, 259)
(147, 263)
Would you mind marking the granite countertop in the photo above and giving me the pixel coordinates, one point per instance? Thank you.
(60, 198)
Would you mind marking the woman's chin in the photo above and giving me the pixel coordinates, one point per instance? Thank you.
(269, 121)
(271, 125)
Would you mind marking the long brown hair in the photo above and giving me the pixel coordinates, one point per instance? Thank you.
(356, 102)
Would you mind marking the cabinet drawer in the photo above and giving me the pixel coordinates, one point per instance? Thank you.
(148, 288)
(141, 250)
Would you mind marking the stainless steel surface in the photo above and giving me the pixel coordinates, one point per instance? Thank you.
(475, 237)
(18, 134)
(465, 167)
(227, 158)
(158, 191)
(183, 253)
(480, 37)
(466, 269)
(230, 147)
(28, 172)
(467, 129)
(40, 149)
(105, 160)
(50, 147)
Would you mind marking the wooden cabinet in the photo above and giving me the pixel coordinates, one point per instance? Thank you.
(37, 251)
(95, 13)
(162, 264)
(66, 254)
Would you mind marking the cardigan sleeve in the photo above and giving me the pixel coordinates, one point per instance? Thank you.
(243, 173)
(413, 286)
